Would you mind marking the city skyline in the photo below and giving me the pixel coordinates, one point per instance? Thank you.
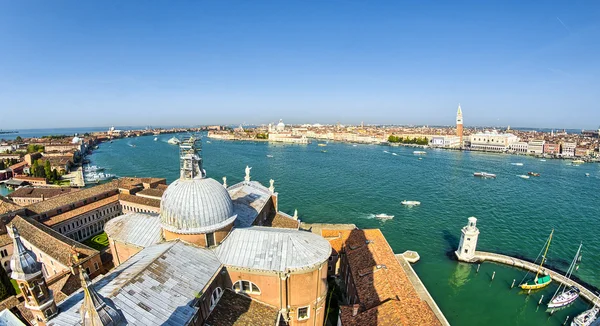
(91, 64)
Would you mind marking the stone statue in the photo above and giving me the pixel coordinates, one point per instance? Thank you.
(247, 178)
(225, 182)
(272, 187)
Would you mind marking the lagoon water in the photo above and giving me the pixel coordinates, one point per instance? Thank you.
(350, 184)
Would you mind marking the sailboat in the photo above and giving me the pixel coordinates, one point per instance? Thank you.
(567, 295)
(586, 318)
(539, 281)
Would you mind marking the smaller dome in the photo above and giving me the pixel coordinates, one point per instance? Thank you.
(23, 263)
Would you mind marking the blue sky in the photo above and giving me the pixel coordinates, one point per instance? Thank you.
(101, 63)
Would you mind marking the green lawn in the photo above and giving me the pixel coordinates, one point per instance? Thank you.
(98, 242)
(15, 285)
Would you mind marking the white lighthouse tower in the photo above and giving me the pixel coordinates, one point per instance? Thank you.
(468, 241)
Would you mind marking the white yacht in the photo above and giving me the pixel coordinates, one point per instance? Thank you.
(411, 203)
(586, 318)
(523, 176)
(384, 217)
(419, 152)
(484, 175)
(174, 141)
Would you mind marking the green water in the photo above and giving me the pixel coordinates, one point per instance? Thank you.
(349, 184)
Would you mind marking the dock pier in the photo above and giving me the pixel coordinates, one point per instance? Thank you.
(481, 256)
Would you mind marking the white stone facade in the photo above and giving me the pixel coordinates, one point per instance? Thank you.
(492, 141)
(468, 241)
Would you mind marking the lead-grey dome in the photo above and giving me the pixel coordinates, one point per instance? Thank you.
(198, 205)
(23, 263)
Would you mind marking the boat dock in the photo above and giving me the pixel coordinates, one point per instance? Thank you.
(481, 256)
(419, 287)
(76, 178)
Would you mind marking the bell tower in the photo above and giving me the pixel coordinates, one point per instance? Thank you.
(27, 271)
(459, 125)
(468, 241)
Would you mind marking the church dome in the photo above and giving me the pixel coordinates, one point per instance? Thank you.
(75, 140)
(198, 205)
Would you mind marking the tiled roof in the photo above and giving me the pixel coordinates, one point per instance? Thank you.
(157, 286)
(281, 220)
(7, 206)
(248, 198)
(67, 199)
(141, 230)
(239, 310)
(5, 239)
(51, 242)
(152, 192)
(386, 295)
(80, 210)
(35, 192)
(273, 249)
(140, 200)
(64, 286)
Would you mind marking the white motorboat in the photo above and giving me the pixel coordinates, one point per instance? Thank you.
(578, 162)
(542, 160)
(269, 155)
(587, 174)
(586, 318)
(523, 176)
(517, 164)
(174, 141)
(155, 138)
(484, 175)
(419, 152)
(394, 154)
(384, 217)
(411, 203)
(386, 152)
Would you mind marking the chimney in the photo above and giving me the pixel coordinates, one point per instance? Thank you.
(42, 197)
(355, 309)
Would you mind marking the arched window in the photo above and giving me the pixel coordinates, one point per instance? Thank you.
(214, 298)
(246, 287)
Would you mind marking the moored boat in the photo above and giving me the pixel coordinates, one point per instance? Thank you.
(321, 144)
(578, 162)
(586, 318)
(174, 141)
(533, 174)
(484, 175)
(384, 216)
(567, 296)
(539, 281)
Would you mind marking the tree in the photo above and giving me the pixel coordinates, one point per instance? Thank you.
(55, 175)
(19, 139)
(2, 165)
(6, 288)
(33, 168)
(48, 171)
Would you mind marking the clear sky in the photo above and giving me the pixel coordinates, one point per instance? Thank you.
(101, 63)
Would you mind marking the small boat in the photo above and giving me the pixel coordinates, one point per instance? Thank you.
(540, 280)
(578, 162)
(523, 176)
(411, 203)
(208, 141)
(419, 152)
(586, 318)
(484, 175)
(384, 217)
(322, 145)
(533, 174)
(542, 160)
(567, 296)
(587, 174)
(420, 158)
(394, 154)
(155, 138)
(517, 164)
(269, 155)
(354, 145)
(323, 151)
(174, 141)
(386, 152)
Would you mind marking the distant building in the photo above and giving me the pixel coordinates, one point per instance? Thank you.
(445, 141)
(520, 147)
(568, 149)
(29, 195)
(551, 148)
(492, 141)
(536, 147)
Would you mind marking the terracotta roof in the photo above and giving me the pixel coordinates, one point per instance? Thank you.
(152, 192)
(64, 286)
(18, 165)
(70, 198)
(385, 293)
(51, 242)
(9, 302)
(140, 200)
(35, 192)
(5, 239)
(7, 206)
(26, 178)
(281, 220)
(162, 186)
(235, 309)
(80, 210)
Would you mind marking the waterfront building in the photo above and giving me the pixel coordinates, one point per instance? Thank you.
(582, 151)
(551, 148)
(536, 147)
(520, 147)
(459, 125)
(492, 141)
(29, 195)
(468, 241)
(568, 149)
(445, 141)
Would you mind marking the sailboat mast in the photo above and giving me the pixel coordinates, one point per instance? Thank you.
(544, 257)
